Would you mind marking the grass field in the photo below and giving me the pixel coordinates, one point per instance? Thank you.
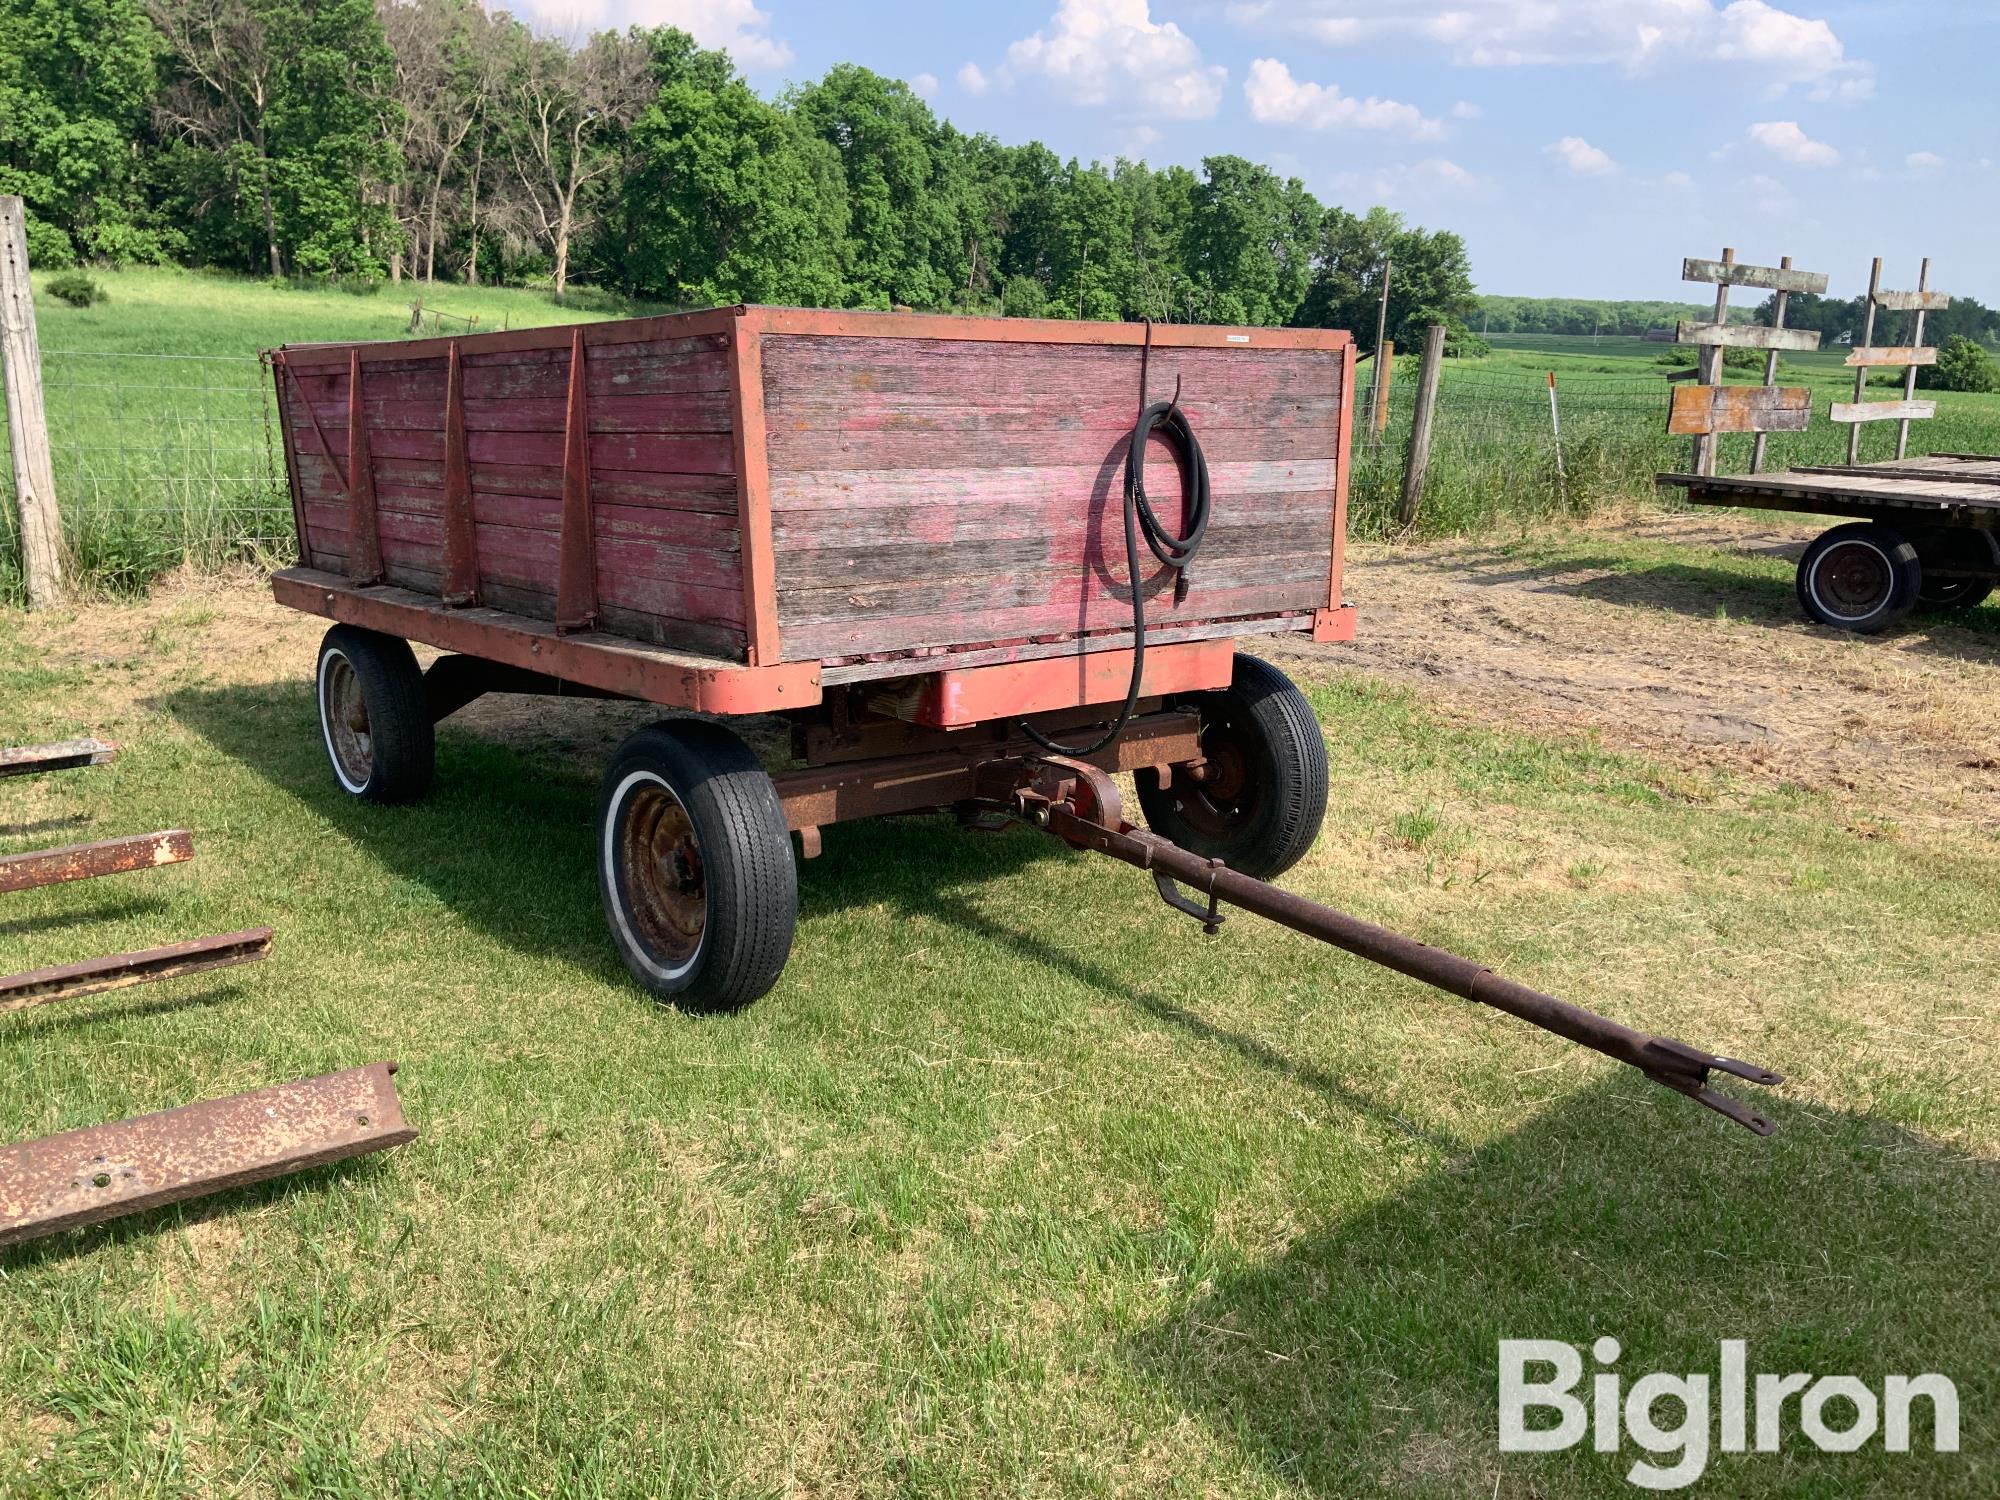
(1016, 1184)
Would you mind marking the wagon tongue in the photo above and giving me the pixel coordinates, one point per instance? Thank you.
(1079, 804)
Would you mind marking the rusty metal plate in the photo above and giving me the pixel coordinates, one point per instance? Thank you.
(141, 851)
(31, 760)
(106, 1171)
(117, 970)
(1701, 409)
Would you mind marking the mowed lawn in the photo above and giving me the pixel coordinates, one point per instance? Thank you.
(1017, 1184)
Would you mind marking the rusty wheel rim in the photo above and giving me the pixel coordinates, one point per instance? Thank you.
(661, 874)
(1853, 580)
(1228, 796)
(343, 712)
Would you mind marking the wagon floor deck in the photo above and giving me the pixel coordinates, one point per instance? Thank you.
(1964, 487)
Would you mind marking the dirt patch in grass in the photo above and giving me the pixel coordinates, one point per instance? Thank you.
(1678, 636)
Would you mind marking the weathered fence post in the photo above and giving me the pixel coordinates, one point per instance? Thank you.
(1708, 366)
(1385, 376)
(27, 421)
(1419, 458)
(1376, 404)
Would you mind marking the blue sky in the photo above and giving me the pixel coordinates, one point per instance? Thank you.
(1582, 147)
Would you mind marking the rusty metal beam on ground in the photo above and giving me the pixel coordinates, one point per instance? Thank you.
(107, 1171)
(117, 970)
(32, 760)
(141, 851)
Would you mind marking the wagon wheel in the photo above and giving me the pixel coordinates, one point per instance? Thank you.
(373, 716)
(1859, 577)
(1956, 547)
(1259, 795)
(695, 866)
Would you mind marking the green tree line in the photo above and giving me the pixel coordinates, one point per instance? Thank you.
(370, 140)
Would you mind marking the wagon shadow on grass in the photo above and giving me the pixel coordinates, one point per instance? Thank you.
(507, 836)
(1364, 1359)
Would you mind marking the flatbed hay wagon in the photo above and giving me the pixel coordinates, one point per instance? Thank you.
(914, 539)
(1921, 533)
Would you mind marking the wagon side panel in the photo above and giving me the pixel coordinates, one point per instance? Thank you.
(661, 503)
(934, 494)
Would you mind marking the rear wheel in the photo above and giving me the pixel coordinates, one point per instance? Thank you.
(1259, 796)
(373, 715)
(1958, 548)
(1859, 577)
(695, 866)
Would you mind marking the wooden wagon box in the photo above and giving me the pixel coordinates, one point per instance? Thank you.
(775, 498)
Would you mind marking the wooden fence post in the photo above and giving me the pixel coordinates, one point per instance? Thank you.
(1385, 374)
(1419, 459)
(27, 421)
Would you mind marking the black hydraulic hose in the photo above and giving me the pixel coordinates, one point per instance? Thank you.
(1176, 552)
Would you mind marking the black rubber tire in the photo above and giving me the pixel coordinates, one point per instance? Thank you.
(742, 864)
(1955, 547)
(1263, 811)
(1859, 577)
(389, 755)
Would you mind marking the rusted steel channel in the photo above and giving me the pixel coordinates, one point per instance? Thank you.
(1080, 805)
(106, 1171)
(117, 970)
(32, 760)
(140, 851)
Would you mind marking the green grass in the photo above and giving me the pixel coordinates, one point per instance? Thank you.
(159, 410)
(1016, 1184)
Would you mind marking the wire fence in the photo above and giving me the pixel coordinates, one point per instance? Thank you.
(160, 461)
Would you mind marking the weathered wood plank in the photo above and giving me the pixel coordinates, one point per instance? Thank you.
(803, 452)
(1027, 484)
(1698, 409)
(1770, 278)
(1056, 517)
(1744, 336)
(1912, 301)
(854, 565)
(987, 622)
(1892, 354)
(1881, 411)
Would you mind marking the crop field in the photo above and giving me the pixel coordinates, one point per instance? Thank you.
(1017, 1184)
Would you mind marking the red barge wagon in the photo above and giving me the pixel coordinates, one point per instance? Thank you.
(911, 536)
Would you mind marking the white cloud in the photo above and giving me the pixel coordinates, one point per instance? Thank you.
(736, 26)
(1113, 52)
(1429, 182)
(1786, 141)
(1277, 98)
(1923, 161)
(1465, 109)
(1582, 158)
(1784, 49)
(972, 79)
(1677, 180)
(924, 85)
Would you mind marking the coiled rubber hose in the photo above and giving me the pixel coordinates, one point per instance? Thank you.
(1176, 552)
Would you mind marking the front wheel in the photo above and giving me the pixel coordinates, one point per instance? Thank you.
(1258, 798)
(694, 865)
(1859, 577)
